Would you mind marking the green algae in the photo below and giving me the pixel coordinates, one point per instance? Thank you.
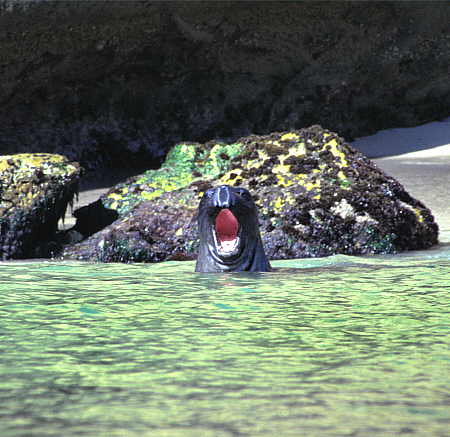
(185, 164)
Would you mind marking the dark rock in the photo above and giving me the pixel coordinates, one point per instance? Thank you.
(117, 83)
(316, 197)
(35, 190)
(151, 232)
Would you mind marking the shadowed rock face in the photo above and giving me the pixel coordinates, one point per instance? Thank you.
(117, 83)
(316, 196)
(35, 190)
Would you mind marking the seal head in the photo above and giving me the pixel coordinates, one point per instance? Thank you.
(229, 232)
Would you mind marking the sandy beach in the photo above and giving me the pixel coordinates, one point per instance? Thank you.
(423, 166)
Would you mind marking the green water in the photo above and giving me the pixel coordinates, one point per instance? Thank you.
(340, 346)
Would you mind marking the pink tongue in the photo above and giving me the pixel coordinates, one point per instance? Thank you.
(226, 225)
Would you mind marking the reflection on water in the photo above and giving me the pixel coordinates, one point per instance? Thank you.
(340, 346)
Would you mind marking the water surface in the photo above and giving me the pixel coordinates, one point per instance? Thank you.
(340, 346)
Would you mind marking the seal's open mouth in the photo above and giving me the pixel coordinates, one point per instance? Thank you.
(226, 233)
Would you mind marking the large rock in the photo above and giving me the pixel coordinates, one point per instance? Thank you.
(117, 83)
(35, 190)
(185, 163)
(316, 196)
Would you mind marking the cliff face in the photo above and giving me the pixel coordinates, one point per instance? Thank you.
(117, 83)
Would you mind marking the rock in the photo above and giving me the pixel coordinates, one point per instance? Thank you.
(114, 84)
(316, 196)
(35, 190)
(160, 230)
(185, 163)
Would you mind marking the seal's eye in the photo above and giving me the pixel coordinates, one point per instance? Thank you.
(209, 193)
(244, 194)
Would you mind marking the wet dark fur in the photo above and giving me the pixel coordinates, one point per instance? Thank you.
(250, 254)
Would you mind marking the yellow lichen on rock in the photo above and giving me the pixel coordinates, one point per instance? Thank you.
(229, 177)
(332, 145)
(419, 215)
(26, 176)
(313, 185)
(255, 163)
(341, 175)
(34, 159)
(262, 154)
(278, 204)
(25, 162)
(289, 136)
(284, 182)
(115, 196)
(298, 150)
(35, 191)
(281, 169)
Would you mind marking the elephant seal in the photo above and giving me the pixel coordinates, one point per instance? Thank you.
(229, 232)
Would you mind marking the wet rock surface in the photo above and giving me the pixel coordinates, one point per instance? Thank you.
(35, 190)
(118, 83)
(315, 194)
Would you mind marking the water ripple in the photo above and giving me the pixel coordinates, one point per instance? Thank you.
(332, 347)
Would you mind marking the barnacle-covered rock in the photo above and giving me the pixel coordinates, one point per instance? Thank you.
(316, 195)
(35, 190)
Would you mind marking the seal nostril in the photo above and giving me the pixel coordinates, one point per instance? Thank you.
(222, 197)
